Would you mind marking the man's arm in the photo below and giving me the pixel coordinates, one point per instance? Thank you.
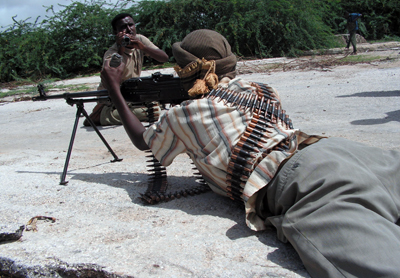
(111, 78)
(154, 53)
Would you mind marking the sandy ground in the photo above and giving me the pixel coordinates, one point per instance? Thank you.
(101, 229)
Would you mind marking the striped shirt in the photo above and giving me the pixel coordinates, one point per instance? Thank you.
(207, 130)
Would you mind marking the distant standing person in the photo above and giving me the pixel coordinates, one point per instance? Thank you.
(132, 56)
(352, 27)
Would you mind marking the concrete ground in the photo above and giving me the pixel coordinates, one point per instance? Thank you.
(97, 227)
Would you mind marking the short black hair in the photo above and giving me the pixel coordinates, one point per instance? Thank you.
(118, 17)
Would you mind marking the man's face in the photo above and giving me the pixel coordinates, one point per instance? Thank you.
(126, 25)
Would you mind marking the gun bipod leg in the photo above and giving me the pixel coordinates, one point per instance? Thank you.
(81, 111)
(71, 143)
(116, 159)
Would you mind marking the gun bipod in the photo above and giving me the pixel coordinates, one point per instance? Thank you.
(81, 111)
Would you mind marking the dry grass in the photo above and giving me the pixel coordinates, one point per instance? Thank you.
(323, 62)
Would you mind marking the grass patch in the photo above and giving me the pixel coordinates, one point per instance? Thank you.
(27, 90)
(359, 59)
(69, 88)
(362, 58)
(388, 39)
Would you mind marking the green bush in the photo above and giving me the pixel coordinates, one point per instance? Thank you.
(73, 40)
(64, 44)
(24, 51)
(253, 27)
(381, 18)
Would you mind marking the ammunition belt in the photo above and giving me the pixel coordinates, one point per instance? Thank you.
(243, 158)
(246, 155)
(157, 183)
(260, 104)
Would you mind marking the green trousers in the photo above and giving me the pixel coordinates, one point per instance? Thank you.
(110, 116)
(352, 40)
(338, 203)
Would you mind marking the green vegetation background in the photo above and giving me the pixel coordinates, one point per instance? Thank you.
(73, 40)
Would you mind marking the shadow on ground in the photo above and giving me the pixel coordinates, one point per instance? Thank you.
(391, 115)
(136, 183)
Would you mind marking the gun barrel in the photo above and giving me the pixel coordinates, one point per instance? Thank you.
(126, 40)
(72, 95)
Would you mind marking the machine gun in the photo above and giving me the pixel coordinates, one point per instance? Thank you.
(163, 88)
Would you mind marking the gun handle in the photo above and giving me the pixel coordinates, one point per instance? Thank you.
(116, 60)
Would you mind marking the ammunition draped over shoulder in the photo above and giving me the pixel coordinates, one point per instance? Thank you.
(249, 150)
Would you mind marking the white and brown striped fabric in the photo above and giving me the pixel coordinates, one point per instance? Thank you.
(207, 130)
